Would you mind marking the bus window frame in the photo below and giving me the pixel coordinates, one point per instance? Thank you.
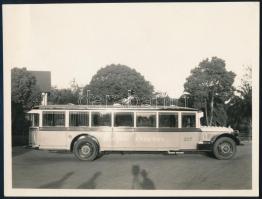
(65, 118)
(125, 111)
(78, 111)
(111, 112)
(189, 112)
(100, 111)
(31, 117)
(178, 113)
(152, 112)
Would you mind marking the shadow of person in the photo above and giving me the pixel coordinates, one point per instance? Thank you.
(136, 172)
(90, 184)
(146, 183)
(58, 183)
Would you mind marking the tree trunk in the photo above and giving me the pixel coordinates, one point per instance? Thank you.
(206, 112)
(211, 109)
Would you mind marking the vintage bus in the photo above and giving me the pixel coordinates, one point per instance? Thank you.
(89, 130)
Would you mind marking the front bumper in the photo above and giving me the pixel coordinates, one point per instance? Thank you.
(236, 137)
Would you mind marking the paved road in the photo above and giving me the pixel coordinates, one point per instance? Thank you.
(42, 169)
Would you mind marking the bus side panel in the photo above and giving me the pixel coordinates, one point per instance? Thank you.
(52, 139)
(104, 137)
(157, 141)
(123, 139)
(189, 140)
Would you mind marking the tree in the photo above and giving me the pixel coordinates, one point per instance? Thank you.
(239, 109)
(116, 82)
(63, 96)
(209, 87)
(24, 90)
(71, 95)
(24, 95)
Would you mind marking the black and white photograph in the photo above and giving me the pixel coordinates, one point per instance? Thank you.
(131, 99)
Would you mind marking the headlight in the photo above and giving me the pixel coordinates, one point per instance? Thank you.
(236, 132)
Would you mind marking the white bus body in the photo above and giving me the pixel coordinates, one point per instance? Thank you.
(94, 129)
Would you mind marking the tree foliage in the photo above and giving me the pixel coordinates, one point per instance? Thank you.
(63, 96)
(114, 81)
(24, 95)
(209, 87)
(24, 90)
(239, 109)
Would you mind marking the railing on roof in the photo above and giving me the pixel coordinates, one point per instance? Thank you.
(72, 106)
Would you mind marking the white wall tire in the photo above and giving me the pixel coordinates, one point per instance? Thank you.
(224, 148)
(86, 149)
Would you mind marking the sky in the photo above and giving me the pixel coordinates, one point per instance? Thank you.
(162, 41)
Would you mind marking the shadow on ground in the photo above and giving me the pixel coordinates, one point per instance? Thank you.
(58, 183)
(141, 179)
(91, 183)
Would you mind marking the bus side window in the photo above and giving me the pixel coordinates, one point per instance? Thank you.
(145, 119)
(34, 119)
(168, 120)
(78, 119)
(124, 119)
(188, 120)
(53, 118)
(101, 119)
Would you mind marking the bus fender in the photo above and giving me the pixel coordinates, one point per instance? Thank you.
(233, 137)
(83, 136)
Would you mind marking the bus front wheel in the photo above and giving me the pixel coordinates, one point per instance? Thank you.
(86, 149)
(224, 148)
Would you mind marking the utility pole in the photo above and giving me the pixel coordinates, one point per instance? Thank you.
(106, 99)
(87, 95)
(129, 94)
(185, 97)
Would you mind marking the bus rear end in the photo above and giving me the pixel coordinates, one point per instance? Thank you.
(33, 133)
(33, 130)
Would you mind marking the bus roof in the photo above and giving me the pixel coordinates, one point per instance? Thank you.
(118, 107)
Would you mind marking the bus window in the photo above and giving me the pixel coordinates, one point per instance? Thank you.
(168, 120)
(188, 120)
(124, 119)
(54, 118)
(101, 119)
(144, 119)
(34, 119)
(78, 119)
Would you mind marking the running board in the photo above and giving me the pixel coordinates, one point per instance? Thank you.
(175, 152)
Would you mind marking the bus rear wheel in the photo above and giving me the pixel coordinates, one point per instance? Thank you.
(224, 148)
(86, 149)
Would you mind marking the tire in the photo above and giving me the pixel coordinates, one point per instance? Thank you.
(86, 149)
(224, 148)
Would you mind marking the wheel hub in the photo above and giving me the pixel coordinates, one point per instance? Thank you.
(225, 148)
(85, 149)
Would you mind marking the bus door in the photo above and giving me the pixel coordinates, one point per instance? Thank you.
(34, 128)
(123, 131)
(101, 122)
(150, 136)
(190, 135)
(168, 130)
(53, 132)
